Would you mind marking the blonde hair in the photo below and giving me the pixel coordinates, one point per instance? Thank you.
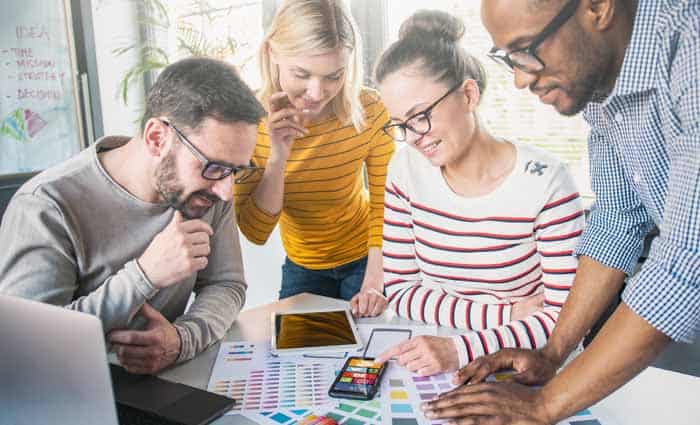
(301, 26)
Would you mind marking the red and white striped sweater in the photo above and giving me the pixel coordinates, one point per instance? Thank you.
(461, 262)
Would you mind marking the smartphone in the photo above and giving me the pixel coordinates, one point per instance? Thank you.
(358, 379)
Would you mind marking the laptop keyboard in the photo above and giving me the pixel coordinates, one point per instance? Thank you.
(131, 416)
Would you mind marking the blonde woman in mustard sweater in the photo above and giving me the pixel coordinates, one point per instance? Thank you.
(324, 157)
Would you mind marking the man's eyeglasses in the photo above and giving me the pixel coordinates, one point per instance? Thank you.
(215, 170)
(418, 123)
(526, 59)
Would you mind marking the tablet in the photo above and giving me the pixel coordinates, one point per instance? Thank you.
(382, 339)
(301, 332)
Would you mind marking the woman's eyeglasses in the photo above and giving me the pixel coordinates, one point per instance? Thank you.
(419, 123)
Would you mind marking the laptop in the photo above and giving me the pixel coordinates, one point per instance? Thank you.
(54, 368)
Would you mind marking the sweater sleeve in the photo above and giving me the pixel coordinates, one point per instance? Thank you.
(557, 229)
(254, 222)
(220, 291)
(381, 148)
(40, 263)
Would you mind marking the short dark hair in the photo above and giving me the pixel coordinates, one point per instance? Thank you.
(191, 90)
(430, 40)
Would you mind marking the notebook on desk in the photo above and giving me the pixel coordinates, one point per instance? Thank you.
(54, 369)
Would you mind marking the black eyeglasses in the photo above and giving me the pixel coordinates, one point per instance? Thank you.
(418, 123)
(526, 59)
(215, 170)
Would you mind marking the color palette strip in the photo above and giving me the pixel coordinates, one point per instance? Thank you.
(280, 417)
(584, 417)
(400, 406)
(278, 385)
(346, 412)
(355, 412)
(239, 352)
(430, 387)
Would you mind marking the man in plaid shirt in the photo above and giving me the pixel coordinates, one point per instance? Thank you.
(633, 68)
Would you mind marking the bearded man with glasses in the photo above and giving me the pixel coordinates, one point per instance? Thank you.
(130, 227)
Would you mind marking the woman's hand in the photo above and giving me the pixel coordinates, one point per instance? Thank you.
(284, 125)
(370, 301)
(424, 355)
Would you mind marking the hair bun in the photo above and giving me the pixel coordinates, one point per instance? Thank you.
(432, 23)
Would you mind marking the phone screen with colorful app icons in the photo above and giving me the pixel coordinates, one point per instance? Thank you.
(358, 379)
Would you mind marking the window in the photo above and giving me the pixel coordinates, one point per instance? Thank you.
(508, 112)
(223, 29)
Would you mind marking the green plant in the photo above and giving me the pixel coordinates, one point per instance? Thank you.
(190, 41)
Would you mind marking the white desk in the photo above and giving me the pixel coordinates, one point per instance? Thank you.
(655, 397)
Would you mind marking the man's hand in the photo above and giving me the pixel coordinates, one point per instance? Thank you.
(177, 252)
(151, 350)
(532, 367)
(502, 403)
(424, 355)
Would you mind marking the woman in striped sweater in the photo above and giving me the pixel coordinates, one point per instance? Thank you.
(322, 136)
(478, 231)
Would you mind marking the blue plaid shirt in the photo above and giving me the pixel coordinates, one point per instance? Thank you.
(644, 151)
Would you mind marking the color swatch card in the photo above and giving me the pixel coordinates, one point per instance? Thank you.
(346, 412)
(429, 387)
(258, 381)
(235, 359)
(279, 417)
(584, 417)
(356, 412)
(279, 384)
(399, 398)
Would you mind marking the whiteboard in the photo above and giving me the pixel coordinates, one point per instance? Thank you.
(39, 124)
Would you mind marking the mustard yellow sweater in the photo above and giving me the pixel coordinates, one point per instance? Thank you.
(328, 218)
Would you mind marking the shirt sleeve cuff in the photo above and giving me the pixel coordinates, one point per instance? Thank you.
(144, 284)
(461, 350)
(186, 345)
(618, 251)
(255, 222)
(667, 294)
(506, 313)
(261, 215)
(374, 242)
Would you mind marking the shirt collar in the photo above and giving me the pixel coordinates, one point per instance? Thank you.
(636, 74)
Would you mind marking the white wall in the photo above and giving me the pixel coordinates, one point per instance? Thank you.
(263, 269)
(116, 25)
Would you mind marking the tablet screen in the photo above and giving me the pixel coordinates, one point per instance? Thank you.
(318, 329)
(382, 339)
